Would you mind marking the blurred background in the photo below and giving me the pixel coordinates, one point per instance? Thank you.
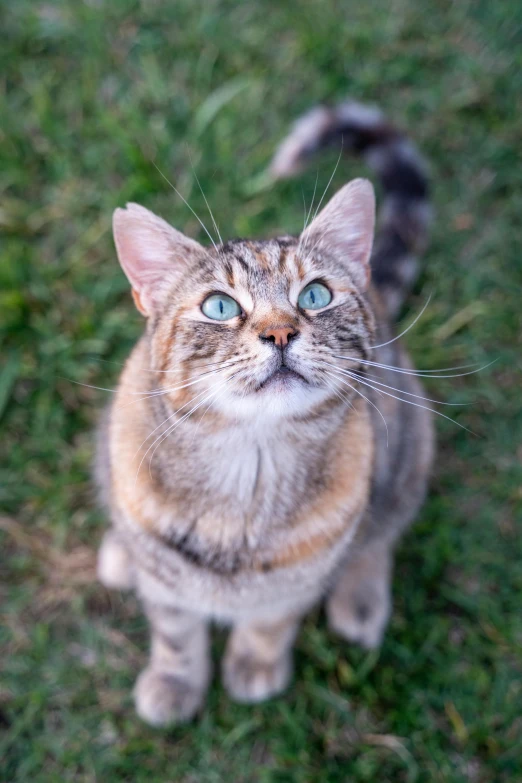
(93, 95)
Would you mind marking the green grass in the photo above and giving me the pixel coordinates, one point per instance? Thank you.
(91, 94)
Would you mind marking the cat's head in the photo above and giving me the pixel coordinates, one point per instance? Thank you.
(253, 329)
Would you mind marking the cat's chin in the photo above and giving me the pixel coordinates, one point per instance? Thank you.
(283, 379)
(284, 395)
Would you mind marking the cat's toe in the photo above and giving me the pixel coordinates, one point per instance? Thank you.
(114, 563)
(249, 680)
(165, 699)
(361, 618)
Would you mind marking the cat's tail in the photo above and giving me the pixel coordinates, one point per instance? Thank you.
(405, 215)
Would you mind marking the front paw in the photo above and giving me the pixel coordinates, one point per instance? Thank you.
(164, 699)
(249, 680)
(114, 563)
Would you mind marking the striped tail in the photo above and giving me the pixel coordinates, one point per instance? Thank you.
(405, 215)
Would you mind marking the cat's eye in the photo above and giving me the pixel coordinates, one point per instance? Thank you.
(314, 296)
(220, 307)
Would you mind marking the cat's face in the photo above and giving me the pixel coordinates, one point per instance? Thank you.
(253, 329)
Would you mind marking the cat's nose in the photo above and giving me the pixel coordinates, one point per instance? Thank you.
(280, 335)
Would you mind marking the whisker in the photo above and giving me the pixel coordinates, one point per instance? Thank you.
(220, 366)
(411, 394)
(339, 378)
(330, 180)
(140, 394)
(173, 414)
(204, 414)
(172, 426)
(87, 385)
(225, 362)
(307, 218)
(304, 208)
(100, 388)
(222, 363)
(203, 226)
(304, 248)
(205, 391)
(168, 389)
(417, 405)
(171, 429)
(171, 389)
(356, 375)
(444, 369)
(151, 370)
(381, 345)
(340, 395)
(206, 202)
(418, 373)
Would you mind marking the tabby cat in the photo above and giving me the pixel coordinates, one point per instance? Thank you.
(260, 455)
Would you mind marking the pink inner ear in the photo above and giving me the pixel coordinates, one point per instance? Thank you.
(344, 230)
(151, 253)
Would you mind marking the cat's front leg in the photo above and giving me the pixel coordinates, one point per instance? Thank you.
(173, 686)
(258, 659)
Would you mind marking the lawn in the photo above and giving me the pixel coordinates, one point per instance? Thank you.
(93, 96)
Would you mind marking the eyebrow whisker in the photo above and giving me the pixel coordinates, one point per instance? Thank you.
(206, 202)
(203, 226)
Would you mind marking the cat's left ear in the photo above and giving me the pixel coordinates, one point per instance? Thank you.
(152, 254)
(343, 230)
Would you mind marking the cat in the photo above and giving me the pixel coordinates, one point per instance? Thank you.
(259, 455)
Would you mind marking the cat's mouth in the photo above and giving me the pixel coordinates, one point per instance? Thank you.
(282, 377)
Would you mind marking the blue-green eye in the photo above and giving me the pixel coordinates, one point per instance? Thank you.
(220, 307)
(314, 296)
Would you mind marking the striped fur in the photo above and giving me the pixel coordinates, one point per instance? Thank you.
(242, 492)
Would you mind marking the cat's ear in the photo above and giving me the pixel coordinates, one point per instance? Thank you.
(343, 230)
(152, 254)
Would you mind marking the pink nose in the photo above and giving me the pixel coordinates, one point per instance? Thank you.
(280, 335)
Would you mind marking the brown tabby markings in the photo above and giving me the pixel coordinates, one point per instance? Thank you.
(258, 479)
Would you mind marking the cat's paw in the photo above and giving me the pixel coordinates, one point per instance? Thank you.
(361, 616)
(249, 680)
(114, 563)
(164, 699)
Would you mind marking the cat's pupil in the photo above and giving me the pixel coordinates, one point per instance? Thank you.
(312, 297)
(220, 305)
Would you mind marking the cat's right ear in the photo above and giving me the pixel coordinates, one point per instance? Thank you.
(152, 254)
